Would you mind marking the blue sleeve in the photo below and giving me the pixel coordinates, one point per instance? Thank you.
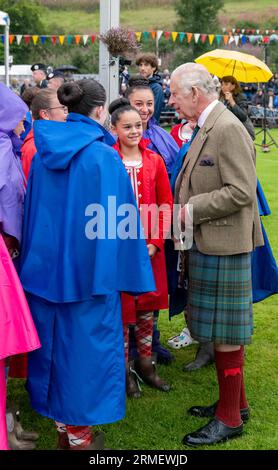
(158, 99)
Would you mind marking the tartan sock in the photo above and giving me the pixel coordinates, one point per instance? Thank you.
(126, 341)
(61, 427)
(144, 333)
(243, 399)
(228, 366)
(79, 436)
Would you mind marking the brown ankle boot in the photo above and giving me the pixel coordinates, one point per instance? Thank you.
(132, 385)
(146, 368)
(63, 441)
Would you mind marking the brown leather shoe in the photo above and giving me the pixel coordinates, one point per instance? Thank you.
(132, 381)
(146, 369)
(16, 444)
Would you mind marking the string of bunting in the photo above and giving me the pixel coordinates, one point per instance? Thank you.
(229, 37)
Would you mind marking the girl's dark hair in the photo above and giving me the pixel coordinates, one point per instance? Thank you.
(230, 79)
(29, 94)
(42, 100)
(118, 107)
(137, 82)
(82, 96)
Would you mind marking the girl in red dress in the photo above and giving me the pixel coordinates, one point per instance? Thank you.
(152, 191)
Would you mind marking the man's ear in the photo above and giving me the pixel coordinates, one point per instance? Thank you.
(195, 93)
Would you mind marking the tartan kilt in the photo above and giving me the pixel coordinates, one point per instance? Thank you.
(220, 298)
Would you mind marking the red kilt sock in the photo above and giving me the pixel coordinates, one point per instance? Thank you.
(229, 366)
(243, 400)
(79, 436)
(144, 333)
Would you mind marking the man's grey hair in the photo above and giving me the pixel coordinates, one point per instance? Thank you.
(191, 74)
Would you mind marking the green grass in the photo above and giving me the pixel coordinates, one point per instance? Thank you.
(146, 18)
(158, 420)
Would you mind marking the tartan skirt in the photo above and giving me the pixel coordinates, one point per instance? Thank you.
(220, 298)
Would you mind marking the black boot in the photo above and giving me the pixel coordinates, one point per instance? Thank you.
(146, 369)
(204, 356)
(163, 355)
(132, 381)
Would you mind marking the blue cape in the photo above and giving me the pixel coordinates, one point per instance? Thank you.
(74, 168)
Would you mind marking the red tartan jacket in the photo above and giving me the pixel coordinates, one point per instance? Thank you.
(156, 190)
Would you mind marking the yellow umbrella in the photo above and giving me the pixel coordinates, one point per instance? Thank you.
(245, 68)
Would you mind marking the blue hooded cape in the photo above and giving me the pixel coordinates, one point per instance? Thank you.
(74, 281)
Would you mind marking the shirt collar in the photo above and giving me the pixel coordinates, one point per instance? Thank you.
(203, 116)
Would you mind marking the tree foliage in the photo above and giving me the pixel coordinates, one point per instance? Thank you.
(25, 18)
(198, 17)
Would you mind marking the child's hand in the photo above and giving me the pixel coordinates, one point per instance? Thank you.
(152, 250)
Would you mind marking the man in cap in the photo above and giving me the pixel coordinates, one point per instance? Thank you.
(55, 79)
(39, 75)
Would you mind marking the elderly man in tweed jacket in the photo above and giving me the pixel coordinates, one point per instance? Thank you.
(218, 179)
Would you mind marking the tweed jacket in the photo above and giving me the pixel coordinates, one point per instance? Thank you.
(219, 179)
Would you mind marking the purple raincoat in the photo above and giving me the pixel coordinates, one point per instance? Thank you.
(162, 143)
(12, 110)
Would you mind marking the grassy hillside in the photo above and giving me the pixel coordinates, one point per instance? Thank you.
(71, 16)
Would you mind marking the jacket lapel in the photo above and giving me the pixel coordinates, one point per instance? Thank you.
(196, 148)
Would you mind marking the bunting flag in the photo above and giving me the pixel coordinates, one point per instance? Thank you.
(236, 39)
(230, 37)
(18, 39)
(211, 38)
(196, 37)
(159, 33)
(218, 39)
(189, 37)
(182, 36)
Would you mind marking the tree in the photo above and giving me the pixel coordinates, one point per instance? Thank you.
(25, 19)
(198, 16)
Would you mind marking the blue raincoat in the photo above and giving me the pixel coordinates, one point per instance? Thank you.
(74, 279)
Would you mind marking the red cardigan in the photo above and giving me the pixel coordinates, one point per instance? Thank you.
(28, 151)
(156, 190)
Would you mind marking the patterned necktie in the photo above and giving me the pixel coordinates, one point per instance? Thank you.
(194, 133)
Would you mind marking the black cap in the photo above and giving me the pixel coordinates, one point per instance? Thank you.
(54, 74)
(38, 67)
